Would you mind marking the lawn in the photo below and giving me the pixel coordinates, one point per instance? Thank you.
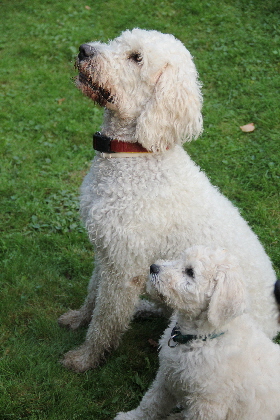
(46, 135)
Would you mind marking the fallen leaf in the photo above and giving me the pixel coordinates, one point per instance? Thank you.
(61, 100)
(152, 342)
(248, 128)
(87, 7)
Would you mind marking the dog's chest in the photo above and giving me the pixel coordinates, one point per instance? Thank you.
(146, 206)
(138, 189)
(185, 370)
(128, 202)
(119, 188)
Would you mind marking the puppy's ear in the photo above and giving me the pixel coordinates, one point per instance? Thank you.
(229, 297)
(173, 114)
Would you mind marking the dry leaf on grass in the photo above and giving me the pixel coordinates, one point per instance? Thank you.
(248, 128)
(87, 7)
(61, 100)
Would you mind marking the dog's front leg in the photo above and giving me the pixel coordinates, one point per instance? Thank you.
(155, 405)
(114, 307)
(207, 409)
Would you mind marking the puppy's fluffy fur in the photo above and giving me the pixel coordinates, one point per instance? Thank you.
(138, 209)
(230, 369)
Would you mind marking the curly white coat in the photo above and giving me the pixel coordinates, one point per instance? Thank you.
(138, 209)
(234, 374)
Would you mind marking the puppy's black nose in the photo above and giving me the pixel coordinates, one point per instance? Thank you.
(86, 51)
(154, 269)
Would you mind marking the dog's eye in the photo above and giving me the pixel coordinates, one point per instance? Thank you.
(135, 56)
(189, 272)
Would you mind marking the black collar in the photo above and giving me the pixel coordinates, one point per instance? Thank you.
(179, 338)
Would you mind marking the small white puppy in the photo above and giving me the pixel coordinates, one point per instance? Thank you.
(214, 360)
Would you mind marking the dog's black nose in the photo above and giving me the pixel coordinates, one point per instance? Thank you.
(86, 51)
(154, 269)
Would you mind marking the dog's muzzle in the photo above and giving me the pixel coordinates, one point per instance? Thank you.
(90, 87)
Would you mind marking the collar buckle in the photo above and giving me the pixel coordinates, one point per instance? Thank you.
(172, 339)
(102, 143)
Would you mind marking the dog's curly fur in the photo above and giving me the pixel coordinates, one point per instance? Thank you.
(139, 209)
(232, 374)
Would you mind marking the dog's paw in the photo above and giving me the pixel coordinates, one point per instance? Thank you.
(79, 360)
(72, 320)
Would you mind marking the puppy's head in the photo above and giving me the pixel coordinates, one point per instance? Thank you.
(202, 281)
(146, 78)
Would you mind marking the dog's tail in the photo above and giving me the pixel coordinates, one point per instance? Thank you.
(277, 291)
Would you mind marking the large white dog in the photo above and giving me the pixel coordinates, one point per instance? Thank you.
(144, 198)
(214, 359)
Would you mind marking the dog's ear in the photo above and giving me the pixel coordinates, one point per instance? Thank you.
(173, 114)
(228, 299)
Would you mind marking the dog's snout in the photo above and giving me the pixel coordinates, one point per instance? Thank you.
(86, 51)
(154, 269)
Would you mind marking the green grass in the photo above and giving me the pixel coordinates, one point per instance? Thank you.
(46, 130)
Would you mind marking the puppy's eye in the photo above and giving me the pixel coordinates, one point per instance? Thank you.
(189, 272)
(136, 57)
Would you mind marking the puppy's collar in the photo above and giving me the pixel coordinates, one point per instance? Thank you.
(110, 148)
(178, 338)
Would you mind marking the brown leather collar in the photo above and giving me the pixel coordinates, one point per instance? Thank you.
(106, 144)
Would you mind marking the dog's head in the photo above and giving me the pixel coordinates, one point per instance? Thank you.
(203, 281)
(147, 78)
